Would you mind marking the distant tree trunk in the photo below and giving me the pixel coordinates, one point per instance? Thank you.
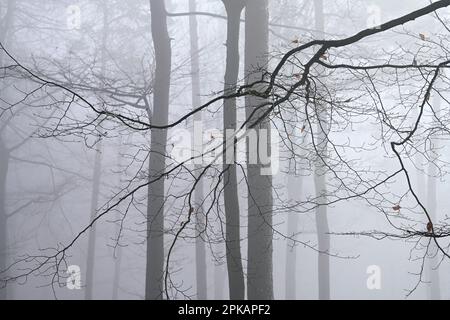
(421, 183)
(90, 265)
(118, 253)
(294, 187)
(231, 198)
(320, 184)
(157, 163)
(260, 231)
(5, 36)
(118, 249)
(92, 232)
(434, 291)
(117, 267)
(294, 178)
(219, 281)
(200, 255)
(4, 163)
(7, 21)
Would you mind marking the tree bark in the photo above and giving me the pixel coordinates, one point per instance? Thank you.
(260, 231)
(155, 207)
(323, 236)
(231, 198)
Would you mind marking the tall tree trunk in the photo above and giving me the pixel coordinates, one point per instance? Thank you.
(118, 250)
(200, 255)
(323, 236)
(231, 198)
(117, 265)
(92, 232)
(294, 186)
(260, 231)
(157, 162)
(434, 291)
(219, 281)
(7, 22)
(294, 181)
(4, 163)
(90, 265)
(5, 36)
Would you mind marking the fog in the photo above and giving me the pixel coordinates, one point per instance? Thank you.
(224, 149)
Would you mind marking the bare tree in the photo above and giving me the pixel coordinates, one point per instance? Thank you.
(434, 290)
(260, 232)
(96, 174)
(231, 199)
(5, 32)
(159, 117)
(200, 254)
(323, 236)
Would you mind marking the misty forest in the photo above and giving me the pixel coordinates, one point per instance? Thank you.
(224, 149)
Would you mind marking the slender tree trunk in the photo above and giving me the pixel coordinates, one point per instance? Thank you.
(96, 178)
(323, 240)
(421, 182)
(7, 22)
(200, 255)
(4, 163)
(320, 184)
(155, 207)
(421, 186)
(117, 266)
(231, 198)
(219, 281)
(118, 250)
(294, 183)
(434, 291)
(92, 232)
(294, 186)
(260, 231)
(5, 36)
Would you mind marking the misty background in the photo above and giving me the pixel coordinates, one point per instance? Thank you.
(86, 181)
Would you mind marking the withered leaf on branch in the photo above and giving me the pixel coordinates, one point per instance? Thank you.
(303, 129)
